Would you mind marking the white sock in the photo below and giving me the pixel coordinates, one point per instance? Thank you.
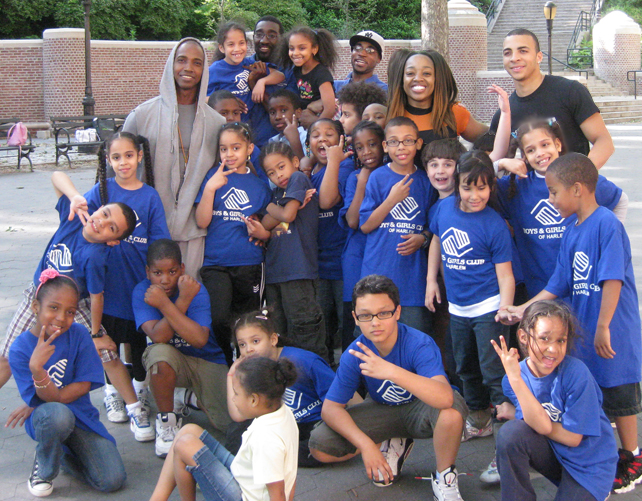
(110, 389)
(139, 385)
(132, 407)
(636, 452)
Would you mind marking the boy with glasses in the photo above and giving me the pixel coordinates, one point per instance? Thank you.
(409, 396)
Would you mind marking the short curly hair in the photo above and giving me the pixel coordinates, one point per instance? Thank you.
(361, 95)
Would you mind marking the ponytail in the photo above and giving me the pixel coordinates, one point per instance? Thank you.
(267, 377)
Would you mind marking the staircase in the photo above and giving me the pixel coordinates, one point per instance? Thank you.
(529, 14)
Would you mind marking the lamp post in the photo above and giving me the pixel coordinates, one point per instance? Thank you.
(549, 13)
(88, 101)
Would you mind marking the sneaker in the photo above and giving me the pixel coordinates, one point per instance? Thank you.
(182, 397)
(37, 486)
(490, 475)
(395, 451)
(628, 473)
(471, 431)
(115, 406)
(446, 487)
(143, 396)
(167, 425)
(139, 424)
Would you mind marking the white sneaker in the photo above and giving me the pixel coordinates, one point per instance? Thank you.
(143, 397)
(115, 406)
(182, 397)
(167, 425)
(471, 431)
(490, 475)
(395, 451)
(37, 486)
(446, 487)
(139, 424)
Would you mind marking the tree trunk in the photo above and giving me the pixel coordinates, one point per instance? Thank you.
(434, 25)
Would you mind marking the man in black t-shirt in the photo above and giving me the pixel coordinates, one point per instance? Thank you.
(545, 96)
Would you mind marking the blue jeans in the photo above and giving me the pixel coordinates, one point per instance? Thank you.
(417, 317)
(89, 457)
(478, 366)
(330, 298)
(518, 447)
(212, 471)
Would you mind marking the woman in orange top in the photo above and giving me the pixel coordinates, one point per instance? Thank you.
(422, 88)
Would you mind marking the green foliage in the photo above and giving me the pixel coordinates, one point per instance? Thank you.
(632, 8)
(583, 57)
(482, 5)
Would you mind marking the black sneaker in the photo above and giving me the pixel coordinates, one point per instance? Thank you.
(628, 473)
(38, 486)
(395, 451)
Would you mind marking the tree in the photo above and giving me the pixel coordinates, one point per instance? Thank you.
(434, 26)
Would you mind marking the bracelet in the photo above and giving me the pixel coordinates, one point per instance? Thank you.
(96, 336)
(426, 241)
(43, 386)
(42, 380)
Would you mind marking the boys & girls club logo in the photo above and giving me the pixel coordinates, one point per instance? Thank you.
(581, 267)
(546, 214)
(406, 210)
(455, 242)
(236, 199)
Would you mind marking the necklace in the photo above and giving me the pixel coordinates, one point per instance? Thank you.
(180, 138)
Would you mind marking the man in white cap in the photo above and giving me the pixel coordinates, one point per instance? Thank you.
(367, 51)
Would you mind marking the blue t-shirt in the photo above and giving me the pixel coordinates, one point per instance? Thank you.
(262, 129)
(407, 217)
(314, 377)
(233, 77)
(374, 79)
(538, 226)
(352, 256)
(414, 351)
(70, 254)
(472, 243)
(126, 261)
(75, 360)
(199, 311)
(332, 236)
(294, 254)
(227, 242)
(590, 253)
(570, 396)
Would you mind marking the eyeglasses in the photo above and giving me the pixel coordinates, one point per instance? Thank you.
(259, 35)
(368, 50)
(406, 142)
(382, 315)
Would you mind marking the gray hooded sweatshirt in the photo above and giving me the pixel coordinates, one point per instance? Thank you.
(157, 120)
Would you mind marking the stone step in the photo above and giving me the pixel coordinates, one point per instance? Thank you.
(617, 120)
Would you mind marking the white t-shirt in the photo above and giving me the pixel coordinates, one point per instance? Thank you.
(269, 453)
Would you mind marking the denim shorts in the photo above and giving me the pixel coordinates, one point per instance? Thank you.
(623, 400)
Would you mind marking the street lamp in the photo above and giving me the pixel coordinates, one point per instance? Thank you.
(549, 13)
(88, 101)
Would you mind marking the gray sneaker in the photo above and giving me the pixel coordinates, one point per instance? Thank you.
(38, 487)
(395, 451)
(167, 425)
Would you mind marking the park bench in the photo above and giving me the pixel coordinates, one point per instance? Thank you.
(65, 131)
(23, 151)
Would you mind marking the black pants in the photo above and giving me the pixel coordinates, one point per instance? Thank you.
(233, 290)
(124, 331)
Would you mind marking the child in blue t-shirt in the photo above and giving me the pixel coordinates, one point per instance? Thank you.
(232, 69)
(594, 270)
(55, 366)
(367, 141)
(313, 54)
(173, 310)
(331, 168)
(126, 268)
(394, 216)
(291, 263)
(77, 249)
(255, 336)
(284, 110)
(472, 245)
(408, 395)
(232, 269)
(537, 225)
(557, 425)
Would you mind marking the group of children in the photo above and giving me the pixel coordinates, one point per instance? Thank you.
(329, 232)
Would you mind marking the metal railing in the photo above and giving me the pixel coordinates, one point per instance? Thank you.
(567, 66)
(583, 24)
(634, 80)
(492, 13)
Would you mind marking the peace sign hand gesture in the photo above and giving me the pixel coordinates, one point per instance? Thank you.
(373, 365)
(42, 352)
(509, 358)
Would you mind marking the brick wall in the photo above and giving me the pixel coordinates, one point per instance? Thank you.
(485, 103)
(21, 86)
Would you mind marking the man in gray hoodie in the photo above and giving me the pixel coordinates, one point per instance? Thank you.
(182, 131)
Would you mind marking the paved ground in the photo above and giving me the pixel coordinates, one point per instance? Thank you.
(27, 220)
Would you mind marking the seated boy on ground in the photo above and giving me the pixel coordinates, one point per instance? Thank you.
(173, 309)
(409, 395)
